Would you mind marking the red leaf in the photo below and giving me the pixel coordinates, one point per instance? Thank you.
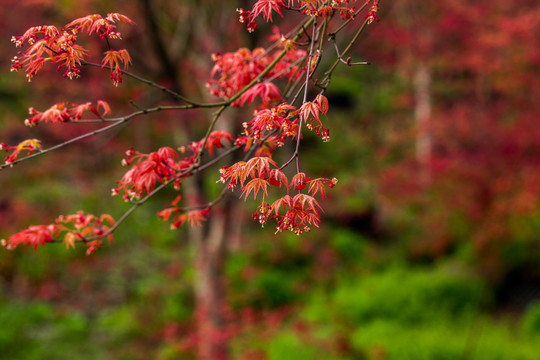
(265, 7)
(255, 185)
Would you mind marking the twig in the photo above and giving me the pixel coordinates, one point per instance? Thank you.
(116, 122)
(324, 83)
(332, 38)
(304, 100)
(150, 83)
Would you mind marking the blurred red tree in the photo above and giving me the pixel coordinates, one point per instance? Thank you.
(473, 70)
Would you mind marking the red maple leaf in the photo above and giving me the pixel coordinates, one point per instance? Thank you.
(265, 7)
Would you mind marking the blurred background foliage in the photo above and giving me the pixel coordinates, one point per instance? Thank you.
(426, 251)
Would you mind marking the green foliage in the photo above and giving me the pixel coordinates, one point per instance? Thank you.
(287, 346)
(407, 296)
(350, 247)
(35, 330)
(274, 290)
(119, 324)
(480, 340)
(420, 314)
(531, 320)
(269, 275)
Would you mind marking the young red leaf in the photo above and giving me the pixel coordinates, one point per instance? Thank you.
(278, 178)
(255, 185)
(35, 235)
(265, 7)
(266, 91)
(299, 181)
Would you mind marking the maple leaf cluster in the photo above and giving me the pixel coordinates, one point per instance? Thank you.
(29, 146)
(269, 128)
(259, 173)
(58, 113)
(192, 217)
(79, 227)
(372, 13)
(147, 170)
(164, 165)
(64, 112)
(50, 44)
(318, 8)
(234, 71)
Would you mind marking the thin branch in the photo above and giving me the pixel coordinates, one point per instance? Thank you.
(306, 86)
(332, 38)
(65, 143)
(304, 100)
(108, 43)
(115, 123)
(151, 83)
(324, 83)
(217, 114)
(352, 18)
(298, 82)
(278, 74)
(326, 79)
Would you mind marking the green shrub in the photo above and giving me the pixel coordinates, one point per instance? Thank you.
(481, 340)
(418, 314)
(287, 346)
(408, 296)
(531, 320)
(33, 330)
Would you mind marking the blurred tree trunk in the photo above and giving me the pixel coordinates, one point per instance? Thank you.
(210, 294)
(422, 115)
(210, 242)
(414, 60)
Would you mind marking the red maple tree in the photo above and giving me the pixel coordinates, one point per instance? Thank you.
(279, 79)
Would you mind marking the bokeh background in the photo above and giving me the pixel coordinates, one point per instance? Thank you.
(429, 247)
